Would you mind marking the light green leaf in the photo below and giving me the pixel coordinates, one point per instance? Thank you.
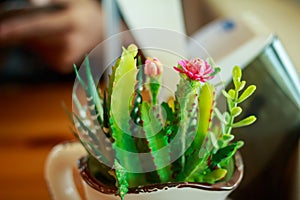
(92, 90)
(215, 175)
(156, 141)
(133, 50)
(226, 94)
(232, 93)
(79, 78)
(239, 144)
(236, 83)
(237, 73)
(122, 182)
(236, 111)
(241, 85)
(245, 122)
(217, 70)
(248, 92)
(228, 137)
(123, 90)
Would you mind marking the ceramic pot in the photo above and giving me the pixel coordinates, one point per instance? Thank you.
(67, 161)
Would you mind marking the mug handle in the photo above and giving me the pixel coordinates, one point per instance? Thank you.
(61, 161)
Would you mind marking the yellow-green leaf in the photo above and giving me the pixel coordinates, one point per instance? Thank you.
(248, 92)
(245, 122)
(236, 111)
(236, 73)
(215, 175)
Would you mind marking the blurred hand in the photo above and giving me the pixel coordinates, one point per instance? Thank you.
(61, 38)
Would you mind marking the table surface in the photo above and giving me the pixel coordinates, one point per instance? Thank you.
(32, 121)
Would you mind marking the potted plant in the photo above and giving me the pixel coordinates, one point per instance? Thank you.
(139, 144)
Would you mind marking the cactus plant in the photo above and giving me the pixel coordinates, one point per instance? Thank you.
(125, 120)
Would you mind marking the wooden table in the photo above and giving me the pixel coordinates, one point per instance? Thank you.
(32, 121)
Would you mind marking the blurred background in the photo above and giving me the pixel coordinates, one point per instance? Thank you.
(37, 53)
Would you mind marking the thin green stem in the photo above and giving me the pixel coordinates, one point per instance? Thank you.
(231, 118)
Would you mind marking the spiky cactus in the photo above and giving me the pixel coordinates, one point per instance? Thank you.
(126, 120)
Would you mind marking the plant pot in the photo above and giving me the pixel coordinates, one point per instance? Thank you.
(64, 158)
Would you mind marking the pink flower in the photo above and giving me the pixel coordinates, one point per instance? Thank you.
(196, 69)
(153, 67)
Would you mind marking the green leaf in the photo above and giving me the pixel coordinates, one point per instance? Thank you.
(245, 122)
(96, 141)
(79, 78)
(214, 176)
(205, 105)
(239, 144)
(224, 154)
(248, 92)
(241, 85)
(156, 141)
(154, 85)
(122, 182)
(217, 70)
(93, 92)
(228, 137)
(186, 94)
(123, 89)
(232, 93)
(237, 73)
(236, 111)
(236, 84)
(169, 112)
(133, 50)
(123, 145)
(226, 95)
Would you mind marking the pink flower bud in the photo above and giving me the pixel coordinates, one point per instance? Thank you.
(153, 67)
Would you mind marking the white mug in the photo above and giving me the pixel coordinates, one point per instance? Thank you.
(64, 158)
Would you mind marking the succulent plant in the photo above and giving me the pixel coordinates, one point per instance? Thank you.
(124, 125)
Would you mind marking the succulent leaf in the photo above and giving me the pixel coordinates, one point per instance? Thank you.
(236, 73)
(157, 143)
(236, 111)
(245, 122)
(205, 106)
(93, 92)
(122, 182)
(214, 176)
(248, 92)
(186, 95)
(241, 86)
(123, 87)
(224, 154)
(226, 94)
(97, 141)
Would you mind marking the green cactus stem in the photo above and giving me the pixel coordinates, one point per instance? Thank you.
(205, 104)
(154, 85)
(123, 88)
(157, 142)
(185, 95)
